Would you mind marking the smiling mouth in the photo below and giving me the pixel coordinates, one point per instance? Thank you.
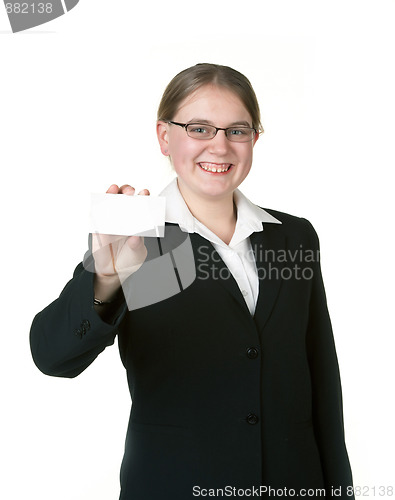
(215, 168)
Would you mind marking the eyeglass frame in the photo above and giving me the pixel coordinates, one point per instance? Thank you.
(185, 125)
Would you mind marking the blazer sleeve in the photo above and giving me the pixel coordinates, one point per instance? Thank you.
(326, 386)
(68, 335)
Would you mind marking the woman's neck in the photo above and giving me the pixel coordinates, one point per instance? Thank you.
(218, 215)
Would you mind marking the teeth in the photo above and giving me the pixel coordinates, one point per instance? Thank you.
(214, 169)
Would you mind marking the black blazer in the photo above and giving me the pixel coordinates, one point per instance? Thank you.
(220, 399)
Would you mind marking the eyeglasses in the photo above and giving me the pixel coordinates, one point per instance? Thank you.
(206, 132)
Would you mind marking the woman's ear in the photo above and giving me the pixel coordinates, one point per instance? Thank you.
(162, 133)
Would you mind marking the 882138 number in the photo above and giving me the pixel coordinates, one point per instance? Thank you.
(29, 8)
(369, 491)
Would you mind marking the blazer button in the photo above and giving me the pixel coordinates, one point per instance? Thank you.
(252, 419)
(252, 352)
(85, 324)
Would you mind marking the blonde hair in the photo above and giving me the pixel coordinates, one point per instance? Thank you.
(190, 79)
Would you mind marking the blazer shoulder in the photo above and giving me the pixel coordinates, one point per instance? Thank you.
(294, 225)
(288, 219)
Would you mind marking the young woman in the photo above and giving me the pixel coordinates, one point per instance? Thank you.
(233, 376)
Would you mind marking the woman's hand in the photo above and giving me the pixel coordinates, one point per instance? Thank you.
(116, 257)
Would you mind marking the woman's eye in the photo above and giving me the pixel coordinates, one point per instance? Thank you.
(238, 131)
(199, 130)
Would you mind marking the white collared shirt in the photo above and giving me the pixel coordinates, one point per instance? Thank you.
(236, 255)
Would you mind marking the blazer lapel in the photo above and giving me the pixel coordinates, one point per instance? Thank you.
(266, 245)
(208, 259)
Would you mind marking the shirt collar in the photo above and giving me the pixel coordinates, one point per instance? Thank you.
(249, 216)
(177, 210)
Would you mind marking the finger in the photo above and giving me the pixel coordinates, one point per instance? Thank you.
(100, 240)
(144, 192)
(126, 189)
(113, 189)
(135, 242)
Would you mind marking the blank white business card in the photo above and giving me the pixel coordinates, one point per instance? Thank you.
(126, 215)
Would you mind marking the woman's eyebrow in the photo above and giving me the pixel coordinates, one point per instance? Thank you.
(208, 122)
(243, 123)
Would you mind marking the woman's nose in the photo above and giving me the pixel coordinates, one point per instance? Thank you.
(219, 143)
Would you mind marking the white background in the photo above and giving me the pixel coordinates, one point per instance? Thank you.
(78, 99)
